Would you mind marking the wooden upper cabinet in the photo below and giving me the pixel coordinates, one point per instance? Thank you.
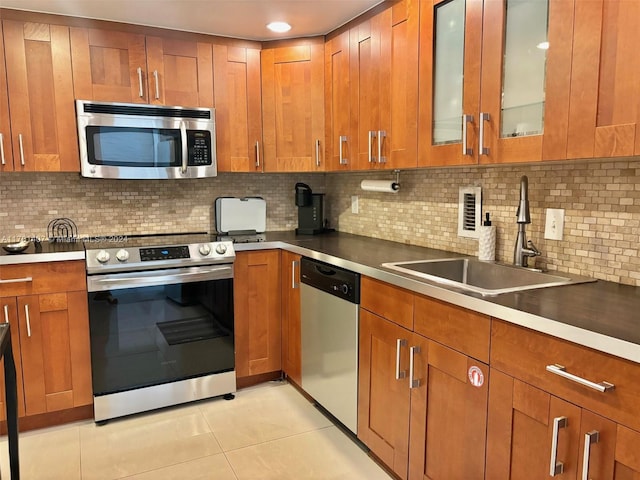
(6, 153)
(339, 130)
(109, 66)
(494, 81)
(604, 114)
(384, 88)
(238, 108)
(450, 52)
(525, 83)
(179, 72)
(293, 106)
(115, 66)
(40, 90)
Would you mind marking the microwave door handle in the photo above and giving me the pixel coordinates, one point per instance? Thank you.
(185, 149)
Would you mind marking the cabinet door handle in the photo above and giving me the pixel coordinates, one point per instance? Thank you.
(155, 76)
(484, 117)
(294, 284)
(556, 467)
(17, 280)
(466, 119)
(26, 314)
(4, 162)
(561, 371)
(21, 144)
(140, 88)
(343, 139)
(317, 152)
(589, 438)
(6, 314)
(413, 383)
(399, 344)
(372, 135)
(381, 136)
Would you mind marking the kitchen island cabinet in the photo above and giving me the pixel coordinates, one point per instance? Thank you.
(238, 108)
(40, 92)
(257, 308)
(384, 88)
(119, 66)
(47, 306)
(293, 105)
(291, 324)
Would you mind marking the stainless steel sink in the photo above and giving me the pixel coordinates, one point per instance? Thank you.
(486, 278)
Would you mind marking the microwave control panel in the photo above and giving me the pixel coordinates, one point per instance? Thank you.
(199, 142)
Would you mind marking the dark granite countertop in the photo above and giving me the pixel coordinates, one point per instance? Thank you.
(44, 252)
(601, 315)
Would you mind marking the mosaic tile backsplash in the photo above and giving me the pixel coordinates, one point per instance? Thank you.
(601, 201)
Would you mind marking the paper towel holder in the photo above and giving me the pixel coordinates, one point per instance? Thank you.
(382, 185)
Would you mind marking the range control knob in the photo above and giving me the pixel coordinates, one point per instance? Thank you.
(221, 249)
(122, 255)
(103, 256)
(204, 249)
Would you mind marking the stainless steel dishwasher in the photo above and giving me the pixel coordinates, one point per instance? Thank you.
(329, 298)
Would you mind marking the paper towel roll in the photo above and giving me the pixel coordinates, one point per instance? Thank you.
(380, 186)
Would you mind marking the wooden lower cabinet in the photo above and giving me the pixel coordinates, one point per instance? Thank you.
(291, 326)
(257, 308)
(521, 437)
(448, 414)
(384, 396)
(49, 321)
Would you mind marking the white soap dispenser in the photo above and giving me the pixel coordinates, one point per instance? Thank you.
(487, 240)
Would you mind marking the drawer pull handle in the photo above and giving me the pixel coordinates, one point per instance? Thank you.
(556, 467)
(399, 344)
(562, 371)
(17, 280)
(413, 383)
(589, 438)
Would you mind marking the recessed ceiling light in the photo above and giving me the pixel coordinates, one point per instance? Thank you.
(279, 27)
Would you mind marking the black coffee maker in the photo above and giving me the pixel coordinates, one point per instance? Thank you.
(310, 210)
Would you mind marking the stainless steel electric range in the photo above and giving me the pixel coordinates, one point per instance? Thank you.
(161, 321)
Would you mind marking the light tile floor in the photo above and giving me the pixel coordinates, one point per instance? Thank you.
(268, 432)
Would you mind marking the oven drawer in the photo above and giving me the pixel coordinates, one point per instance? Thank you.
(525, 354)
(40, 278)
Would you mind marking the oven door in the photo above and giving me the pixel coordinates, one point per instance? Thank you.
(155, 327)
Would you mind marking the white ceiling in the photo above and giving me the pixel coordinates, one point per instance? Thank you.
(230, 18)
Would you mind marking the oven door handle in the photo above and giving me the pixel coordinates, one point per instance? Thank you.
(118, 281)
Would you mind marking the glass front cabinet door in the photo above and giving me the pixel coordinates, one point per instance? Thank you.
(495, 80)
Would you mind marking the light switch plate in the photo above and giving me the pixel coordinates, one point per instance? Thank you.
(354, 204)
(554, 224)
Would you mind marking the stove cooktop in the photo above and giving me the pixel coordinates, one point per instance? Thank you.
(111, 253)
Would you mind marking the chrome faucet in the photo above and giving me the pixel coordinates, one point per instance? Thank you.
(524, 248)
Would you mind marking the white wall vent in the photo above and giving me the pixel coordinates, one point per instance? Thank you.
(469, 211)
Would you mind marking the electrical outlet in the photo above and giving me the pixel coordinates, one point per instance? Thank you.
(554, 224)
(354, 204)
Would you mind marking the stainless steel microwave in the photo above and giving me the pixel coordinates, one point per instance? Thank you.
(133, 141)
